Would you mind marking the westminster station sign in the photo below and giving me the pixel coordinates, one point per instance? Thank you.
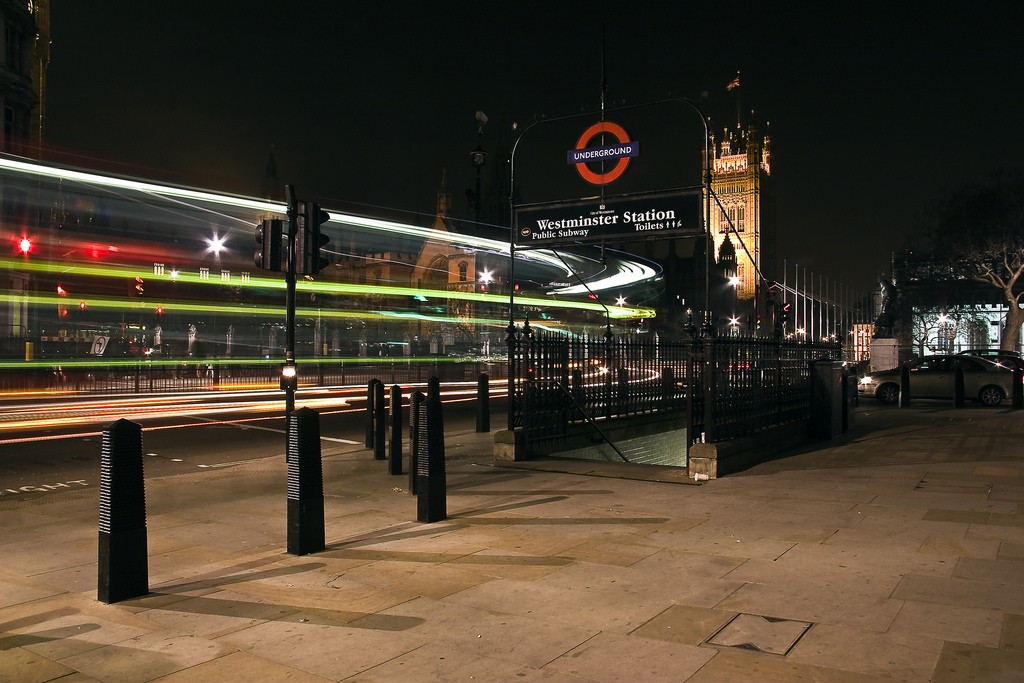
(665, 214)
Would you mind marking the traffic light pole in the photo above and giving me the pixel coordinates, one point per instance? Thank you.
(289, 352)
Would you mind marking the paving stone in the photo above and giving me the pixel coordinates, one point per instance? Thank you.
(615, 657)
(964, 663)
(1012, 635)
(961, 593)
(734, 666)
(683, 624)
(903, 657)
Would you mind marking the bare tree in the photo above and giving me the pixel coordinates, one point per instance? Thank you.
(979, 237)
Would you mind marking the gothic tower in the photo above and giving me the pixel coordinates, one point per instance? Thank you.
(740, 182)
(24, 55)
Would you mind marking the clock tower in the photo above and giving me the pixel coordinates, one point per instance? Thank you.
(740, 182)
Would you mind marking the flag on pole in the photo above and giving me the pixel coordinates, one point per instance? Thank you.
(734, 83)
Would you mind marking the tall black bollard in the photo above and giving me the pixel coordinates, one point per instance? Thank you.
(415, 401)
(305, 483)
(395, 452)
(380, 421)
(431, 488)
(958, 388)
(483, 403)
(371, 396)
(123, 570)
(904, 387)
(434, 392)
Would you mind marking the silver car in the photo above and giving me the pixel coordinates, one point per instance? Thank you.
(935, 377)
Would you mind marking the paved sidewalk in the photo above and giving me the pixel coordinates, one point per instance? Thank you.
(892, 554)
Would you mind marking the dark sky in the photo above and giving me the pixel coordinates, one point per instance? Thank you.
(875, 109)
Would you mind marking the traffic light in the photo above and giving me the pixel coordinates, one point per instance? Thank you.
(309, 240)
(268, 237)
(25, 246)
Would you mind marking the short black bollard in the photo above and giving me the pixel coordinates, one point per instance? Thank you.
(380, 421)
(371, 395)
(415, 401)
(958, 388)
(305, 483)
(1017, 392)
(431, 487)
(904, 387)
(123, 569)
(483, 403)
(395, 452)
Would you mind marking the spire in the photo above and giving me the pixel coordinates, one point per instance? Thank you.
(444, 199)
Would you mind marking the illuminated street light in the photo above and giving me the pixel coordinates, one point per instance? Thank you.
(215, 244)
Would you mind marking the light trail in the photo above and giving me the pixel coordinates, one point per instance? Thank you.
(305, 286)
(62, 414)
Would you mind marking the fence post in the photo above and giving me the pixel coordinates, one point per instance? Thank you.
(123, 570)
(710, 376)
(668, 387)
(395, 453)
(305, 483)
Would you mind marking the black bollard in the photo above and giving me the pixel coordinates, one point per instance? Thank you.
(431, 488)
(1017, 391)
(123, 569)
(904, 387)
(483, 403)
(958, 388)
(371, 395)
(395, 452)
(305, 483)
(380, 421)
(415, 401)
(434, 391)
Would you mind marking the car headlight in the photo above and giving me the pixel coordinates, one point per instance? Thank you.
(867, 379)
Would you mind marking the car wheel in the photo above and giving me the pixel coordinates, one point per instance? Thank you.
(888, 393)
(991, 396)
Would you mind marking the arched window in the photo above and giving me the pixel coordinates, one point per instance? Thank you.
(463, 271)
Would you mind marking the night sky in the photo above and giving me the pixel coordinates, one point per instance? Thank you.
(875, 109)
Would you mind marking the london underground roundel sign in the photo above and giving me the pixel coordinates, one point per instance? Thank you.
(621, 151)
